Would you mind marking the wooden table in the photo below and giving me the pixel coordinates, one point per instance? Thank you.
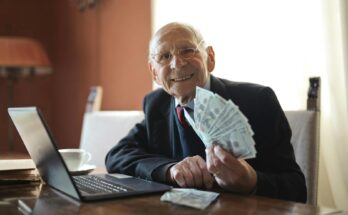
(41, 199)
(44, 200)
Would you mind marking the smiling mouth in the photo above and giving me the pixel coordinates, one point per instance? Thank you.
(183, 78)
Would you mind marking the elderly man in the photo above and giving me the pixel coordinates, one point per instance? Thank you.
(161, 148)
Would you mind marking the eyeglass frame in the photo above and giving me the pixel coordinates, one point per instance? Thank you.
(177, 52)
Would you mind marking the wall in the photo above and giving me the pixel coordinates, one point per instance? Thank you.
(31, 19)
(105, 45)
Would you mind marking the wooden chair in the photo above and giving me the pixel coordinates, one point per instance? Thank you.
(101, 130)
(305, 126)
(94, 99)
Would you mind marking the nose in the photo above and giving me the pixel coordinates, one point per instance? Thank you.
(177, 61)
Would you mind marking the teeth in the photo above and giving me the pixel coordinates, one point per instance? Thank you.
(182, 78)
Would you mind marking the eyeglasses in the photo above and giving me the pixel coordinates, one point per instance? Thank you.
(184, 53)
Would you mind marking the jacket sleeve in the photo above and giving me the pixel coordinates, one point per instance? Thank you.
(135, 154)
(278, 174)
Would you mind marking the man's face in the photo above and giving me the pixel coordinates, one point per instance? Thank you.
(179, 76)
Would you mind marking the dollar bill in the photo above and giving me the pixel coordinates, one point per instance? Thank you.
(190, 197)
(220, 122)
(200, 104)
(210, 111)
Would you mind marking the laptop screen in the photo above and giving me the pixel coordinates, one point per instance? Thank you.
(39, 142)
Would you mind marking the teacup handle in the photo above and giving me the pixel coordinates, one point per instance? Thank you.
(88, 157)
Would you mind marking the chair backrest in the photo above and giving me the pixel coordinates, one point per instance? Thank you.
(305, 126)
(101, 130)
(305, 140)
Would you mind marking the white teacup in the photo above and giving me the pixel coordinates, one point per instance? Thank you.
(75, 158)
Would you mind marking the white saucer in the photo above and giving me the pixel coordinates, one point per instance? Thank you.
(85, 169)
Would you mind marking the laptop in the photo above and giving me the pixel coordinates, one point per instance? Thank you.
(42, 148)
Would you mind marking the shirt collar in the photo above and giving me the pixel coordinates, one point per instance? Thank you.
(191, 104)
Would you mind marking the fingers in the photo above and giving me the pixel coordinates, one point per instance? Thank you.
(225, 157)
(208, 180)
(220, 161)
(180, 175)
(191, 172)
(214, 165)
(210, 158)
(196, 171)
(229, 172)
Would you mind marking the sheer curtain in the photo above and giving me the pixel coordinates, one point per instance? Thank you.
(334, 114)
(281, 43)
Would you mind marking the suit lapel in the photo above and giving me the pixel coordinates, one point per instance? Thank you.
(163, 135)
(218, 87)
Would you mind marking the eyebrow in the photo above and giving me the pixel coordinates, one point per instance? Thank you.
(182, 44)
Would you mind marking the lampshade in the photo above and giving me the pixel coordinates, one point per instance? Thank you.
(22, 57)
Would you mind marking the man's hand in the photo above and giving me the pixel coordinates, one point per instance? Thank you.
(191, 172)
(229, 172)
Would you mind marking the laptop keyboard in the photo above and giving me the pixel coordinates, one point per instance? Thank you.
(94, 184)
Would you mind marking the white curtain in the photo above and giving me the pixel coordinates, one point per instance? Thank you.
(333, 175)
(281, 43)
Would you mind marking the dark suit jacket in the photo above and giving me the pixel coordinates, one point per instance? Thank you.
(150, 145)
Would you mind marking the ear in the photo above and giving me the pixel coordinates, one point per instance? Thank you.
(154, 73)
(211, 59)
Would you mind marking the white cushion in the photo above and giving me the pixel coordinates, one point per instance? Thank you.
(102, 130)
(305, 139)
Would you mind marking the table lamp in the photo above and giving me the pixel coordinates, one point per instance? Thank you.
(20, 57)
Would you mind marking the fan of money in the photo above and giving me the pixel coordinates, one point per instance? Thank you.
(219, 121)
